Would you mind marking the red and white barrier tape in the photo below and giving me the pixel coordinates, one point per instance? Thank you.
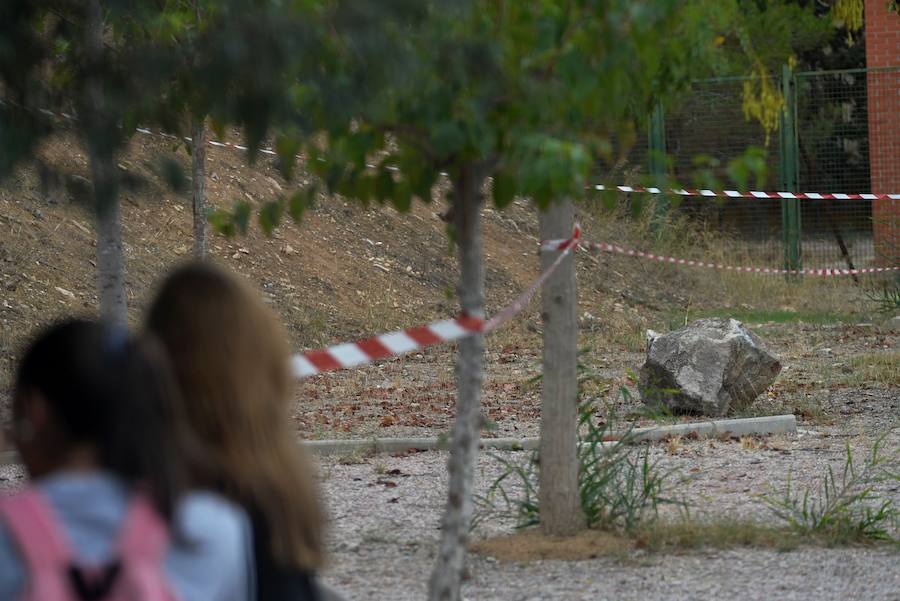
(749, 194)
(696, 192)
(614, 248)
(353, 354)
(565, 248)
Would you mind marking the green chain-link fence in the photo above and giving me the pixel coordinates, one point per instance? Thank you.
(840, 132)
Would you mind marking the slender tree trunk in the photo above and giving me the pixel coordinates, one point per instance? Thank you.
(559, 499)
(447, 574)
(99, 132)
(110, 259)
(198, 178)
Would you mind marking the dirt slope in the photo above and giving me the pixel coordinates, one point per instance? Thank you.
(345, 272)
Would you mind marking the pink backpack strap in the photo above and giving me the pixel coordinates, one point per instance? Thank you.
(143, 543)
(35, 530)
(144, 534)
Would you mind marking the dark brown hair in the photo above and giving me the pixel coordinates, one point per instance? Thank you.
(231, 359)
(113, 392)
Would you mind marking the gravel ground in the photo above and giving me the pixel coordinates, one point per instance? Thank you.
(386, 512)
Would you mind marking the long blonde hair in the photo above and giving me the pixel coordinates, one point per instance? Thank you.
(231, 359)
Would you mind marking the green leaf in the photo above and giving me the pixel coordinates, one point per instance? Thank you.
(270, 216)
(301, 200)
(334, 176)
(223, 222)
(446, 138)
(218, 127)
(361, 187)
(174, 175)
(637, 205)
(318, 162)
(421, 180)
(287, 148)
(402, 196)
(241, 215)
(610, 200)
(297, 205)
(504, 189)
(384, 185)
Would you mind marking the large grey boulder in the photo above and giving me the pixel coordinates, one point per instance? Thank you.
(709, 367)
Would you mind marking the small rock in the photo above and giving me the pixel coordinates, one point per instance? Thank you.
(893, 324)
(274, 183)
(66, 293)
(288, 249)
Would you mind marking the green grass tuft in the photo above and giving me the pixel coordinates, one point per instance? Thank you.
(845, 508)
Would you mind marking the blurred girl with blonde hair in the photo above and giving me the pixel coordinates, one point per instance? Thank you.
(231, 359)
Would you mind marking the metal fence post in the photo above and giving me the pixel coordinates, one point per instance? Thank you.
(656, 158)
(789, 171)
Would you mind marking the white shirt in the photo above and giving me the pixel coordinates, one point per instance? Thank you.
(213, 564)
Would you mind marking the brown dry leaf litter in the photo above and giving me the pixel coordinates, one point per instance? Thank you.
(533, 545)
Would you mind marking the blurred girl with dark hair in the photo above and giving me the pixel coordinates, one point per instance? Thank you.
(232, 362)
(107, 513)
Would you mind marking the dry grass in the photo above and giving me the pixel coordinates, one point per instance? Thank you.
(875, 369)
(809, 299)
(533, 545)
(674, 446)
(804, 407)
(658, 537)
(719, 534)
(750, 443)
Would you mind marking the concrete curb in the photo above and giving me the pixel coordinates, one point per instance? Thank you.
(770, 424)
(775, 424)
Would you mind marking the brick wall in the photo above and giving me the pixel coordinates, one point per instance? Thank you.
(883, 50)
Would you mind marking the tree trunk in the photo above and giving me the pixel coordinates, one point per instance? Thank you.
(110, 259)
(198, 179)
(98, 128)
(447, 573)
(558, 496)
